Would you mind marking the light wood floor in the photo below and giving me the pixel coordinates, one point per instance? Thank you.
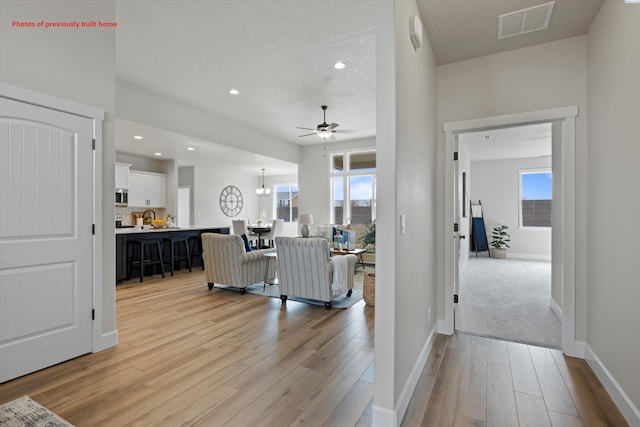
(190, 356)
(476, 381)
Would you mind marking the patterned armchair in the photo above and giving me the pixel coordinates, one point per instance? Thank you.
(227, 263)
(306, 270)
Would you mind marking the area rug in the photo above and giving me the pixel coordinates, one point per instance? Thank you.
(341, 301)
(27, 412)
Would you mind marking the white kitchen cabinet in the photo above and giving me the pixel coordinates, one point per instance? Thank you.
(122, 175)
(147, 189)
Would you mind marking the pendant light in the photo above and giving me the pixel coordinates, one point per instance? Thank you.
(263, 191)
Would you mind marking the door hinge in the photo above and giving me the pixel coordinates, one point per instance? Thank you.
(93, 314)
(456, 227)
(93, 143)
(93, 229)
(455, 155)
(455, 298)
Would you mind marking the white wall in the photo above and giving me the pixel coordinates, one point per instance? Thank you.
(540, 77)
(76, 65)
(497, 184)
(406, 156)
(143, 106)
(313, 176)
(208, 184)
(614, 203)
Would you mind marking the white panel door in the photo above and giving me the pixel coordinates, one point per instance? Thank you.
(46, 188)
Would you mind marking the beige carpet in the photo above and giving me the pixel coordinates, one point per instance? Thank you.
(27, 412)
(508, 299)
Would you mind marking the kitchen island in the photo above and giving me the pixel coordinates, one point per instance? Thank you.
(123, 250)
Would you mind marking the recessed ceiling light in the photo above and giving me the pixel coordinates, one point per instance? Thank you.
(339, 65)
(190, 148)
(234, 91)
(137, 137)
(485, 137)
(158, 154)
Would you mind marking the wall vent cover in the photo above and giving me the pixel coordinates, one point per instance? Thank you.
(524, 21)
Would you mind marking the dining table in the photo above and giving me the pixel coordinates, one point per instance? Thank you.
(259, 230)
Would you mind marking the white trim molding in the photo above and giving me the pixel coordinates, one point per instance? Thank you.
(630, 411)
(387, 418)
(563, 234)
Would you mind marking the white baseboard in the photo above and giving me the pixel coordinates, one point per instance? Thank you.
(555, 308)
(535, 257)
(383, 417)
(107, 340)
(620, 398)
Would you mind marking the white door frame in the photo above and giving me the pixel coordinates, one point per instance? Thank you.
(563, 234)
(100, 341)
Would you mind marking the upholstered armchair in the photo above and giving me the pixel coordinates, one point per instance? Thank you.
(227, 263)
(306, 270)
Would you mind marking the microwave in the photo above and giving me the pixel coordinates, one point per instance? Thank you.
(122, 197)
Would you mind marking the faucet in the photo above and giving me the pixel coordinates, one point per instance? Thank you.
(149, 210)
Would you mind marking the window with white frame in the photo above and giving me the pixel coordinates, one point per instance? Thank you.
(536, 189)
(286, 202)
(353, 187)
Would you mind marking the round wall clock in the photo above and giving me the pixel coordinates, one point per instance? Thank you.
(231, 200)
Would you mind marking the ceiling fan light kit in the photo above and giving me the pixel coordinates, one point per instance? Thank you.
(324, 130)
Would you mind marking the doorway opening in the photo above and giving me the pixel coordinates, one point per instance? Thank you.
(507, 175)
(563, 214)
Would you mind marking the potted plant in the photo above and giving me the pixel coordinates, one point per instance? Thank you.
(500, 239)
(369, 284)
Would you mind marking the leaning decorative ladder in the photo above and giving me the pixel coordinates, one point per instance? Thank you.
(478, 231)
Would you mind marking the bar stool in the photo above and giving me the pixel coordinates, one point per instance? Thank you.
(174, 256)
(143, 249)
(196, 249)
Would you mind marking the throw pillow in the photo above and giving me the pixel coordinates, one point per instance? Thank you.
(247, 246)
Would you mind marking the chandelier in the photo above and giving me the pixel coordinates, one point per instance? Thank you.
(263, 191)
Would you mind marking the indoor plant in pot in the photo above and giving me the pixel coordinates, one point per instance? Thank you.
(500, 239)
(369, 284)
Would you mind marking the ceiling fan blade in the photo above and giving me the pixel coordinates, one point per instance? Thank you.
(298, 127)
(344, 131)
(306, 134)
(333, 126)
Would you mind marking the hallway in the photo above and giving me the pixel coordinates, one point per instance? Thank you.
(476, 381)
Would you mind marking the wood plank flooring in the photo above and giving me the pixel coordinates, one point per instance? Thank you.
(188, 356)
(476, 381)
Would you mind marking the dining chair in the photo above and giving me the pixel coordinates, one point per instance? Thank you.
(276, 230)
(240, 228)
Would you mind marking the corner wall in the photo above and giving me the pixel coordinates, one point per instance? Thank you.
(406, 153)
(614, 149)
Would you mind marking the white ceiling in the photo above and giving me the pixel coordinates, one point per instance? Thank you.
(280, 53)
(508, 143)
(464, 29)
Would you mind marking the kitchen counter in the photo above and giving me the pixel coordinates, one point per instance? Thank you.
(124, 253)
(148, 229)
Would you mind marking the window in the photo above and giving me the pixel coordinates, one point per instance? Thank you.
(353, 187)
(535, 198)
(286, 202)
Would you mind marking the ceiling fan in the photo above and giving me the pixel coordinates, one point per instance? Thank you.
(324, 130)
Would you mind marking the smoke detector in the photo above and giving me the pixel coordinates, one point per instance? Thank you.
(524, 21)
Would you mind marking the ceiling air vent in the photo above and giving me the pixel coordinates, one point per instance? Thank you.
(525, 21)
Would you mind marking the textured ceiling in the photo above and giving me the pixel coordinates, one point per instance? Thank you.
(278, 53)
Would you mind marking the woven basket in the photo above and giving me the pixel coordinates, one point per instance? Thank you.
(369, 289)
